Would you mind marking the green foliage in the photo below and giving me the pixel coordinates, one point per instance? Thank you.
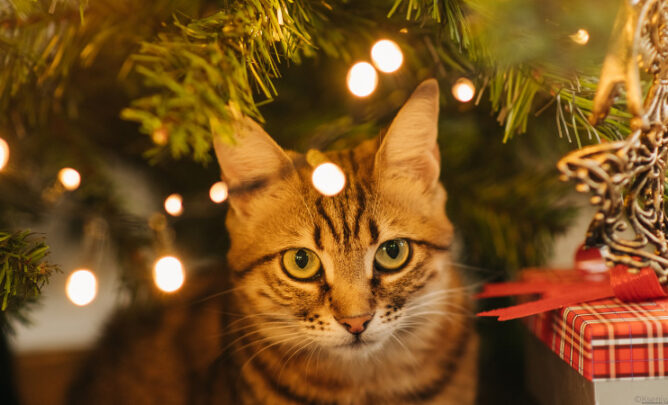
(23, 271)
(181, 71)
(516, 94)
(31, 52)
(44, 43)
(206, 70)
(506, 218)
(449, 13)
(519, 60)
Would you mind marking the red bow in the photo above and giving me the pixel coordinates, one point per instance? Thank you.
(593, 283)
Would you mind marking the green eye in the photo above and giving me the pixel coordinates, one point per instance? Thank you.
(301, 264)
(392, 255)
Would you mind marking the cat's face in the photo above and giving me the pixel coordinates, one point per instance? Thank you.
(347, 273)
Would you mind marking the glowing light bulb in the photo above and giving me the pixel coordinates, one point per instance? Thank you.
(218, 192)
(69, 178)
(362, 79)
(328, 179)
(387, 56)
(168, 274)
(160, 136)
(463, 90)
(581, 37)
(81, 287)
(174, 205)
(4, 153)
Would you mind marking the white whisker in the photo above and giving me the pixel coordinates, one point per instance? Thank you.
(298, 349)
(214, 295)
(254, 332)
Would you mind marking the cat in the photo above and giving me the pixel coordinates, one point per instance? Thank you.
(349, 299)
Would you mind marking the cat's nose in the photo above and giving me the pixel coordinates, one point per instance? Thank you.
(356, 324)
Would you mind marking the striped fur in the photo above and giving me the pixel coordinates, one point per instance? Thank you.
(422, 347)
(281, 341)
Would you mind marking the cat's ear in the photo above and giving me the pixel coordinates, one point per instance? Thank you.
(409, 148)
(254, 161)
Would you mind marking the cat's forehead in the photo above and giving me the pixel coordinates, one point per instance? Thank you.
(356, 163)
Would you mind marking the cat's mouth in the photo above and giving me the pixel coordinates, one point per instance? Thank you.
(353, 346)
(356, 348)
(357, 344)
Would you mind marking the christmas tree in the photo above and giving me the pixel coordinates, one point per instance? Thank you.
(91, 88)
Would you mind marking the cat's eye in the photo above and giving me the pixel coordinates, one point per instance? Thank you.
(392, 255)
(302, 264)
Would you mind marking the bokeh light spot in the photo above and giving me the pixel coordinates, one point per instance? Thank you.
(81, 287)
(463, 90)
(174, 205)
(218, 192)
(387, 56)
(328, 179)
(168, 274)
(69, 178)
(362, 79)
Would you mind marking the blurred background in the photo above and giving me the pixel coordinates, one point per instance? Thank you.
(109, 106)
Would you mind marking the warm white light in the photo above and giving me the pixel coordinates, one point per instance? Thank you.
(69, 178)
(581, 37)
(463, 90)
(362, 79)
(174, 205)
(328, 179)
(387, 56)
(218, 192)
(168, 274)
(160, 136)
(4, 153)
(81, 287)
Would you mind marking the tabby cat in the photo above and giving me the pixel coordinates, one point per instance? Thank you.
(349, 299)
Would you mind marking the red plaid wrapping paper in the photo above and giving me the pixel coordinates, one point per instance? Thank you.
(605, 339)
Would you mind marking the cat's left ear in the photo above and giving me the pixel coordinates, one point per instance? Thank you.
(409, 148)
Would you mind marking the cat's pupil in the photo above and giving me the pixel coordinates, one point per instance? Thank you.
(392, 249)
(301, 258)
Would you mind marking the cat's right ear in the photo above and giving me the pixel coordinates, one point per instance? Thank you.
(409, 149)
(253, 162)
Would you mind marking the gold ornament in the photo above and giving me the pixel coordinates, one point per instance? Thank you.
(627, 177)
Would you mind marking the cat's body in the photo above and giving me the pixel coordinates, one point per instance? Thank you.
(349, 299)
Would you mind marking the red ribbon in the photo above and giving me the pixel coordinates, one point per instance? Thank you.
(634, 286)
(594, 283)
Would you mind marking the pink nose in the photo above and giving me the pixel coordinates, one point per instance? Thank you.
(356, 324)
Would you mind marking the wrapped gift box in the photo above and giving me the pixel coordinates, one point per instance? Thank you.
(603, 352)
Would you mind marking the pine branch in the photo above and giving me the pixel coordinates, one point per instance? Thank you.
(449, 13)
(36, 40)
(515, 94)
(519, 86)
(23, 271)
(207, 70)
(574, 103)
(43, 43)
